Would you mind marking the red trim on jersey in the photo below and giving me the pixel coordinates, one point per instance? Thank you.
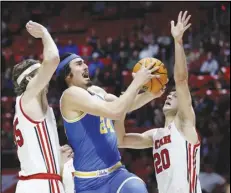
(42, 176)
(190, 159)
(57, 185)
(45, 153)
(191, 163)
(48, 146)
(27, 117)
(45, 131)
(194, 167)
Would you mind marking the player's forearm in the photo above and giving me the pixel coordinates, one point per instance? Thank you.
(125, 101)
(180, 68)
(120, 129)
(134, 141)
(141, 100)
(130, 140)
(50, 50)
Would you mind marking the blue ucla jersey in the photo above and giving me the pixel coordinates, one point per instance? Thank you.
(94, 142)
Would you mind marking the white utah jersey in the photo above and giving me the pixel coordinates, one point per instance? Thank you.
(176, 162)
(37, 142)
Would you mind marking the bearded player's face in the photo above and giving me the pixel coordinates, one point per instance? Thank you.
(79, 75)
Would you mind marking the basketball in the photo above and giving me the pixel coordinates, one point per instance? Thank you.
(155, 84)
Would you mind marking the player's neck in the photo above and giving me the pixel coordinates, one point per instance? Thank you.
(168, 120)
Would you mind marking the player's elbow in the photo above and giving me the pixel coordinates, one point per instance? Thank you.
(121, 142)
(52, 58)
(117, 113)
(55, 59)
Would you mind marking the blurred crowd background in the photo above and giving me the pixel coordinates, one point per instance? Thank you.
(112, 37)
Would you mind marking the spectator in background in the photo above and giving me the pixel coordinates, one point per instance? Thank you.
(132, 47)
(109, 47)
(147, 35)
(210, 180)
(85, 50)
(92, 39)
(6, 38)
(95, 64)
(145, 52)
(71, 47)
(212, 46)
(165, 43)
(96, 80)
(122, 60)
(59, 46)
(154, 48)
(210, 66)
(133, 60)
(99, 49)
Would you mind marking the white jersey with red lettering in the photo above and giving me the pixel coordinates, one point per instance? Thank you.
(38, 150)
(176, 161)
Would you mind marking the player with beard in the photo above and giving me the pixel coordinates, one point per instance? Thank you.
(87, 113)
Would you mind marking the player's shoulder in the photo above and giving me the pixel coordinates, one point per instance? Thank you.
(72, 91)
(97, 90)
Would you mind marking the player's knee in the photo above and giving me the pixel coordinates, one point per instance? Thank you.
(132, 185)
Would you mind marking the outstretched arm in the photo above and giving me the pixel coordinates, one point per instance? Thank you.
(132, 140)
(185, 113)
(139, 101)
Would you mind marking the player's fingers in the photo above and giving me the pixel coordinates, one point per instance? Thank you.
(150, 65)
(185, 28)
(172, 24)
(154, 69)
(69, 152)
(155, 76)
(65, 148)
(187, 19)
(179, 17)
(72, 155)
(143, 63)
(184, 16)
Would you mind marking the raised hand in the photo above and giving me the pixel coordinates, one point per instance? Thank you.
(36, 30)
(182, 25)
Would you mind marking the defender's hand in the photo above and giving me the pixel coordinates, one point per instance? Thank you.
(66, 153)
(36, 30)
(182, 25)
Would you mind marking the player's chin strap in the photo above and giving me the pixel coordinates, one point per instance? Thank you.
(27, 71)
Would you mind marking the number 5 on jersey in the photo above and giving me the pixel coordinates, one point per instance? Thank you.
(18, 139)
